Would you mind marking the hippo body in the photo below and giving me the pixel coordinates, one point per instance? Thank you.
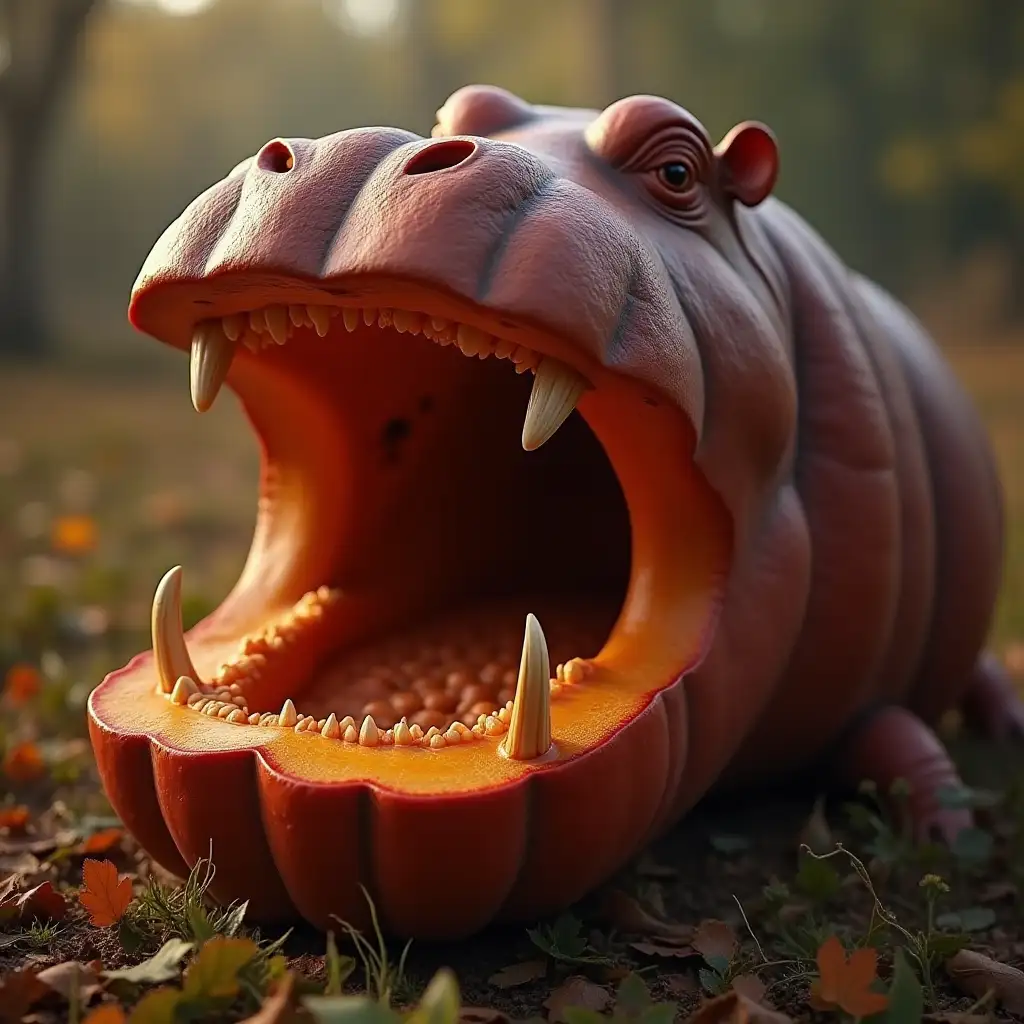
(814, 516)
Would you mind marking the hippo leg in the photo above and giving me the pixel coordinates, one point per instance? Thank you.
(991, 705)
(889, 743)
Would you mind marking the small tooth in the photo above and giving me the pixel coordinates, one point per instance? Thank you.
(402, 735)
(233, 325)
(321, 317)
(529, 731)
(473, 341)
(406, 322)
(331, 728)
(297, 315)
(258, 321)
(556, 390)
(288, 718)
(351, 316)
(350, 735)
(169, 650)
(239, 717)
(368, 734)
(439, 323)
(212, 352)
(183, 689)
(369, 316)
(277, 323)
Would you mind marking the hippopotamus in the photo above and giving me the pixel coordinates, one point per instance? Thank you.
(725, 518)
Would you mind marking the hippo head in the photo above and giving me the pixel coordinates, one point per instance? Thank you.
(417, 502)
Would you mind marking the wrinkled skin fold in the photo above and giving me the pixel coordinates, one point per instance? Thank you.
(771, 474)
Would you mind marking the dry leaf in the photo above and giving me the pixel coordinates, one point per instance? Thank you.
(519, 974)
(846, 982)
(734, 1008)
(976, 974)
(108, 1013)
(103, 895)
(156, 1007)
(14, 818)
(282, 1007)
(21, 684)
(19, 991)
(626, 914)
(73, 977)
(43, 902)
(24, 763)
(576, 991)
(751, 987)
(214, 972)
(482, 1015)
(665, 949)
(995, 892)
(102, 841)
(957, 1018)
(714, 939)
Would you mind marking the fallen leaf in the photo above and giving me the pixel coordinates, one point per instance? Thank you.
(995, 892)
(43, 902)
(73, 535)
(161, 966)
(626, 914)
(19, 991)
(214, 972)
(102, 841)
(680, 986)
(978, 974)
(577, 992)
(519, 974)
(952, 1017)
(24, 763)
(73, 978)
(665, 949)
(482, 1015)
(282, 1007)
(156, 1007)
(14, 818)
(750, 986)
(21, 684)
(108, 1013)
(734, 1008)
(714, 940)
(845, 982)
(103, 895)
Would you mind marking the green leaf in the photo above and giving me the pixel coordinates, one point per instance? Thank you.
(947, 945)
(973, 847)
(817, 879)
(959, 797)
(711, 982)
(439, 1004)
(728, 844)
(349, 1010)
(632, 996)
(214, 972)
(232, 919)
(906, 998)
(660, 1013)
(163, 965)
(338, 968)
(564, 941)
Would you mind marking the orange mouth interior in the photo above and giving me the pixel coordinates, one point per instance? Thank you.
(397, 488)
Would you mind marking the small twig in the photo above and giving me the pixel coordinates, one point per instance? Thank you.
(743, 914)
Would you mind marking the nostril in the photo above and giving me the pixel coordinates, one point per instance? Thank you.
(277, 157)
(449, 153)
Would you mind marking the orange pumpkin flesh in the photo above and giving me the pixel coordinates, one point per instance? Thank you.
(435, 537)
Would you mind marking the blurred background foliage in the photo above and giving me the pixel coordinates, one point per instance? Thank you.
(901, 125)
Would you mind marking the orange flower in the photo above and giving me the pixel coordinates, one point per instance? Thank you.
(21, 684)
(845, 984)
(14, 818)
(23, 763)
(73, 535)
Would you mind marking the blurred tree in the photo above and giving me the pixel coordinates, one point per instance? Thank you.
(38, 41)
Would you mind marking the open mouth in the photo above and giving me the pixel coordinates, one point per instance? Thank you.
(427, 490)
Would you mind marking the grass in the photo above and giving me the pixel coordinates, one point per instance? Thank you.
(107, 479)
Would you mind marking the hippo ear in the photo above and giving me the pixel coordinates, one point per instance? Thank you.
(749, 161)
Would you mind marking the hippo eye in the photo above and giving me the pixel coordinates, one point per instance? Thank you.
(675, 175)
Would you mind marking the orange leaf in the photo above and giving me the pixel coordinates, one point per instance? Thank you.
(23, 763)
(103, 895)
(21, 684)
(14, 818)
(19, 991)
(102, 841)
(846, 983)
(43, 902)
(73, 535)
(108, 1013)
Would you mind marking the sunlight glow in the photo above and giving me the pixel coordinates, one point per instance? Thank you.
(178, 8)
(364, 17)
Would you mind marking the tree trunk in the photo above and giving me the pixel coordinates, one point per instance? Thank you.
(23, 331)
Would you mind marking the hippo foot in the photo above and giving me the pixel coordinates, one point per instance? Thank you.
(991, 705)
(893, 743)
